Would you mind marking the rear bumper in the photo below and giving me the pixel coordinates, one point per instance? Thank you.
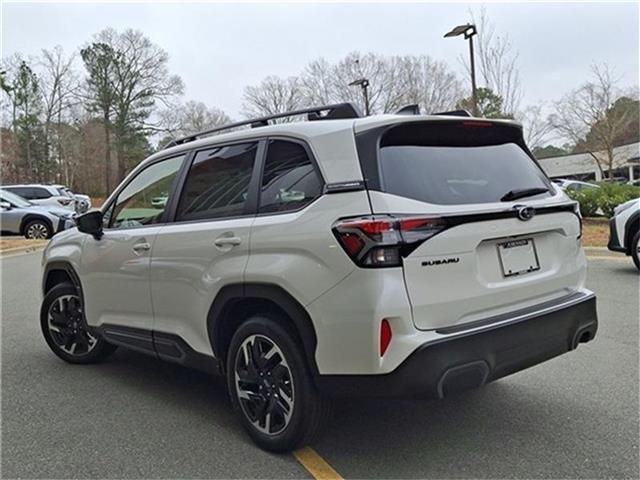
(614, 241)
(469, 359)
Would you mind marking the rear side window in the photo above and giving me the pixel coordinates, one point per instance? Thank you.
(289, 179)
(218, 182)
(456, 174)
(41, 193)
(24, 192)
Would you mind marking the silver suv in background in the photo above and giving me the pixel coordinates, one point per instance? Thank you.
(21, 217)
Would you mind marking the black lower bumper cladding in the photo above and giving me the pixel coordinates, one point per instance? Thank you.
(614, 241)
(468, 361)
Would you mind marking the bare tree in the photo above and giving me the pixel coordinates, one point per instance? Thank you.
(60, 92)
(190, 118)
(272, 96)
(394, 82)
(497, 63)
(426, 82)
(586, 117)
(536, 126)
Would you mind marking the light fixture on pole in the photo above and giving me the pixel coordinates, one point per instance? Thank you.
(364, 84)
(468, 30)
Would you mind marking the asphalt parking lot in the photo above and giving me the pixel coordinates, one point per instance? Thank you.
(135, 417)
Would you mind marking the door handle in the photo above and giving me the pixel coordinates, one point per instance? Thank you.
(227, 241)
(141, 247)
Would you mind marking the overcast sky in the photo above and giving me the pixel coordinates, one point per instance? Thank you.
(218, 49)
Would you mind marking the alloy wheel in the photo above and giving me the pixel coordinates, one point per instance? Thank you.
(67, 326)
(264, 385)
(38, 231)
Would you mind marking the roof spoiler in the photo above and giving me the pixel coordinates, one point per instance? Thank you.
(454, 113)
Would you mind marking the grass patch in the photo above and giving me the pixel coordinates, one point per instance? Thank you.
(10, 243)
(595, 232)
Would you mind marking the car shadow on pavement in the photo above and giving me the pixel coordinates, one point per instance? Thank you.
(179, 387)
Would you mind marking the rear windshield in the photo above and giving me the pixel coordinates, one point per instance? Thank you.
(453, 175)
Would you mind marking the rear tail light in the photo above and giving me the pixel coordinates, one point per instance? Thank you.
(64, 201)
(385, 336)
(383, 240)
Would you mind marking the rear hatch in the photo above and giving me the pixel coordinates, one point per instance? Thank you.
(503, 238)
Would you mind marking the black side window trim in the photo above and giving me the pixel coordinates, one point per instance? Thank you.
(253, 193)
(316, 169)
(172, 194)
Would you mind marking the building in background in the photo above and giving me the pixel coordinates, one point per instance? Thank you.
(582, 166)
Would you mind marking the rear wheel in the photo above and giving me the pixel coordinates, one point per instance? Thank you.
(635, 249)
(65, 329)
(37, 230)
(271, 388)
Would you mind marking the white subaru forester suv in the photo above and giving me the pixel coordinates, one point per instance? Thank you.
(392, 255)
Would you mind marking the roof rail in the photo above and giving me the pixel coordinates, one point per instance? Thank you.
(454, 113)
(413, 109)
(333, 112)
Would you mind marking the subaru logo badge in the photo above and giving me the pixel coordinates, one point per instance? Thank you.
(525, 213)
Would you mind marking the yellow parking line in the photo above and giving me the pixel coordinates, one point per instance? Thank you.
(608, 257)
(315, 464)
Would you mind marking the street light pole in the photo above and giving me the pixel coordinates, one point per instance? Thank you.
(364, 84)
(469, 30)
(473, 76)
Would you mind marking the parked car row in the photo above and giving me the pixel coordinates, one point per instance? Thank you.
(57, 195)
(22, 217)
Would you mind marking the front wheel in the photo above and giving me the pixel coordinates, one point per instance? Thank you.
(635, 249)
(65, 329)
(271, 388)
(37, 230)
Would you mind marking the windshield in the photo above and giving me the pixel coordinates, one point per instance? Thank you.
(14, 199)
(454, 175)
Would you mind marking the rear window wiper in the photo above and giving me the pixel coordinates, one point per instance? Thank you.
(522, 192)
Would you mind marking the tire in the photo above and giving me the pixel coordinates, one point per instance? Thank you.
(65, 329)
(272, 383)
(37, 230)
(635, 249)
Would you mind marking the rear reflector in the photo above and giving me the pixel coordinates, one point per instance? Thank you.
(385, 336)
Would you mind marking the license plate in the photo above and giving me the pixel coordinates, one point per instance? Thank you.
(518, 257)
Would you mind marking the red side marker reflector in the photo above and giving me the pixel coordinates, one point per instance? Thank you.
(385, 336)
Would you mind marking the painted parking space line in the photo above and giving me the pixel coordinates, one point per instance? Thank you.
(315, 464)
(608, 257)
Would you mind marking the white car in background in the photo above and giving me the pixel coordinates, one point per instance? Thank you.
(82, 202)
(624, 230)
(565, 184)
(57, 195)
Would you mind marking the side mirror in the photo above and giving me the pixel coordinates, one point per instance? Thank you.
(91, 223)
(5, 205)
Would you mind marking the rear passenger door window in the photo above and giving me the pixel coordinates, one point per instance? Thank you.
(41, 193)
(24, 192)
(217, 184)
(289, 179)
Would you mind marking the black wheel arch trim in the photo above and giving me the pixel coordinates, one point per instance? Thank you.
(630, 228)
(231, 294)
(59, 265)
